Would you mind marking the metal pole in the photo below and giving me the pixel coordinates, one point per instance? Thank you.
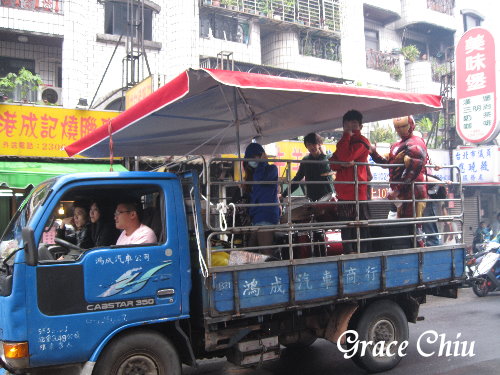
(237, 122)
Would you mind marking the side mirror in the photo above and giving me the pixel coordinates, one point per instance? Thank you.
(30, 248)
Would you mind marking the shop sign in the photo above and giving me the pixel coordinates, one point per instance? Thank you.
(41, 131)
(478, 165)
(138, 92)
(476, 87)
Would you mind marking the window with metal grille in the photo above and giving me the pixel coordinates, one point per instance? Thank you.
(117, 19)
(320, 47)
(225, 28)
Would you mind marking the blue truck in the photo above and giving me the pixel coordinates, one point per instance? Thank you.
(146, 309)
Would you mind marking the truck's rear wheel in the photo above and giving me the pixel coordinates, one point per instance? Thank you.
(382, 321)
(139, 353)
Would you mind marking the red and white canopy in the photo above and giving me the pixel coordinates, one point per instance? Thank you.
(195, 113)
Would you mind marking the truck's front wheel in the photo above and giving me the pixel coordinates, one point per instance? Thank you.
(385, 323)
(139, 353)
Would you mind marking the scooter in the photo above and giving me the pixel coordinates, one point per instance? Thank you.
(483, 270)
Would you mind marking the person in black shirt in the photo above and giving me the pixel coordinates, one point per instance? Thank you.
(102, 228)
(313, 171)
(75, 229)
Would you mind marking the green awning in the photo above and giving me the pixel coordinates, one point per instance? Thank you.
(19, 174)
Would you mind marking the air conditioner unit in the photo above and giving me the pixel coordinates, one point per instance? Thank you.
(52, 95)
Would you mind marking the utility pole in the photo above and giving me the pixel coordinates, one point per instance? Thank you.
(446, 92)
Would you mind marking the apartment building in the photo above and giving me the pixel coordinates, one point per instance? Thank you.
(81, 49)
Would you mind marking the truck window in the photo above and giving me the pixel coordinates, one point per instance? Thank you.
(12, 238)
(95, 217)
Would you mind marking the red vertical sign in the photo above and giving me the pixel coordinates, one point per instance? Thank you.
(476, 86)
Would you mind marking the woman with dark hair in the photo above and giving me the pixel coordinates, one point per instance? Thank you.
(102, 229)
(75, 229)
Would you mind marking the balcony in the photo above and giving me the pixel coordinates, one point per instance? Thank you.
(442, 6)
(319, 14)
(440, 69)
(383, 11)
(385, 62)
(48, 6)
(420, 78)
(322, 48)
(427, 15)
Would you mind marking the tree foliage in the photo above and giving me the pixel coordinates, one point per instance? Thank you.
(24, 79)
(381, 133)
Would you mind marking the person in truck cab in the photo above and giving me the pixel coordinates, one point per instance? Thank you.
(102, 229)
(128, 216)
(75, 229)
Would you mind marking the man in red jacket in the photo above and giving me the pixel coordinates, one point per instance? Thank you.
(351, 148)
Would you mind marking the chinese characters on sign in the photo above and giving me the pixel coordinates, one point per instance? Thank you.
(476, 87)
(44, 131)
(125, 259)
(477, 165)
(477, 110)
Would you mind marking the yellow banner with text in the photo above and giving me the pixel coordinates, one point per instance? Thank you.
(27, 130)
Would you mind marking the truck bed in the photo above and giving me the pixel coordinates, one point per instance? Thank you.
(281, 285)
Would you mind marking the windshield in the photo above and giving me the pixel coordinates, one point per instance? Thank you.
(11, 239)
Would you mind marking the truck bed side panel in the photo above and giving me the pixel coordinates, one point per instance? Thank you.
(270, 287)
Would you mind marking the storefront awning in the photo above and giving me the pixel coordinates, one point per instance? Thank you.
(19, 174)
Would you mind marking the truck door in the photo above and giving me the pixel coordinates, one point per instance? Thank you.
(84, 296)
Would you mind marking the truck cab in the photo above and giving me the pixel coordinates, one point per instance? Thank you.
(55, 305)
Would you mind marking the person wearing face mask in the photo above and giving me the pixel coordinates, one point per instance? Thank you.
(351, 148)
(410, 151)
(261, 170)
(313, 171)
(76, 229)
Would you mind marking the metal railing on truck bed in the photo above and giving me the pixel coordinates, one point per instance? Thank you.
(308, 265)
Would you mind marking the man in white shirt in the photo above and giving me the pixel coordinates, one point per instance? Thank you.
(128, 218)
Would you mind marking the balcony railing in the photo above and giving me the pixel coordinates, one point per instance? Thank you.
(322, 48)
(386, 62)
(52, 6)
(213, 63)
(440, 69)
(442, 6)
(322, 14)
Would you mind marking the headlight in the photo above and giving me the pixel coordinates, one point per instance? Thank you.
(16, 354)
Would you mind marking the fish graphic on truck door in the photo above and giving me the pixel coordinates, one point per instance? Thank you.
(129, 279)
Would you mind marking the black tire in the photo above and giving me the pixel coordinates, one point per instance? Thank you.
(480, 287)
(141, 352)
(381, 321)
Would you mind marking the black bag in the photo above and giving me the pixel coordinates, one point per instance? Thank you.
(242, 218)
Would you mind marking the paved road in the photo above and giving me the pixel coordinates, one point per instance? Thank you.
(477, 319)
